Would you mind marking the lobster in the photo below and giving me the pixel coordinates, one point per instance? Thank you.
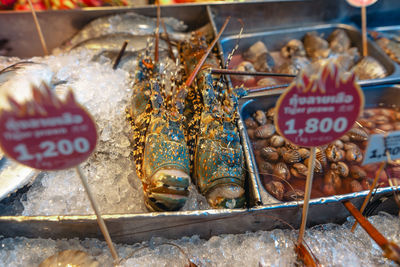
(213, 139)
(160, 150)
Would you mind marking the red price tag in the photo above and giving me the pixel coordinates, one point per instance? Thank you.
(318, 110)
(46, 133)
(361, 3)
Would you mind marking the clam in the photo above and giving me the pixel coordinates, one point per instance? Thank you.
(357, 172)
(260, 117)
(245, 66)
(258, 54)
(276, 189)
(338, 143)
(251, 133)
(250, 123)
(315, 46)
(269, 153)
(294, 48)
(265, 131)
(354, 154)
(369, 68)
(321, 156)
(380, 119)
(271, 114)
(259, 144)
(268, 81)
(281, 171)
(366, 123)
(386, 127)
(282, 150)
(339, 41)
(277, 141)
(304, 153)
(333, 153)
(264, 167)
(357, 134)
(299, 170)
(345, 138)
(318, 168)
(291, 156)
(341, 168)
(349, 145)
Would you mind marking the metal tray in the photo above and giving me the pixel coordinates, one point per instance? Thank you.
(275, 40)
(388, 95)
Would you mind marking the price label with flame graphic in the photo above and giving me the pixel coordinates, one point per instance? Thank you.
(319, 109)
(46, 133)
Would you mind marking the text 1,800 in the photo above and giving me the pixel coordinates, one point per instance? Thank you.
(314, 125)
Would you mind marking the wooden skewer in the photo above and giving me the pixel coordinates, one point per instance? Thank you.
(252, 73)
(157, 31)
(100, 220)
(371, 189)
(364, 30)
(120, 54)
(310, 176)
(46, 52)
(190, 79)
(390, 249)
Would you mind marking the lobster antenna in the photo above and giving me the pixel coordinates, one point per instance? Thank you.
(229, 58)
(190, 79)
(170, 52)
(251, 73)
(157, 31)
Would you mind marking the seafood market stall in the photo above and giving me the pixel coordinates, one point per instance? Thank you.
(261, 179)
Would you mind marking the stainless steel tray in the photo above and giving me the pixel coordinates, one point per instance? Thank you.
(387, 95)
(276, 39)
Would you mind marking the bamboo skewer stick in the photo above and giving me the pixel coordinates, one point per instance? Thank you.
(42, 41)
(367, 198)
(100, 220)
(190, 79)
(157, 31)
(390, 249)
(170, 52)
(310, 176)
(256, 73)
(364, 30)
(120, 54)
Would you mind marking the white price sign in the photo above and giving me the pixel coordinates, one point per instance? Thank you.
(380, 146)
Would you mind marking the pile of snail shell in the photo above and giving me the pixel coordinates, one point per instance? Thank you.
(337, 164)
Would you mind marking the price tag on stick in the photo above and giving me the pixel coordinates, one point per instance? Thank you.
(46, 133)
(315, 110)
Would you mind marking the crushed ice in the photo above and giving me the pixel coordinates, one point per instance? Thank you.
(333, 245)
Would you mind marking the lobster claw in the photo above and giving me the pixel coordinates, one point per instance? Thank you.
(219, 166)
(166, 165)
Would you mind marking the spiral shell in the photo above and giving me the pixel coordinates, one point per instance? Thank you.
(264, 167)
(269, 153)
(291, 156)
(333, 153)
(379, 119)
(321, 156)
(251, 133)
(271, 114)
(366, 123)
(355, 186)
(260, 117)
(265, 131)
(349, 145)
(281, 171)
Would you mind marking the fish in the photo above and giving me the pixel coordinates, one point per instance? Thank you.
(127, 23)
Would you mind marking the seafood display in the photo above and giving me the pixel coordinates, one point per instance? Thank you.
(390, 43)
(283, 166)
(312, 49)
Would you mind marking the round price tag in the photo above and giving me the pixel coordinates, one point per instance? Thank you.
(317, 110)
(361, 3)
(47, 134)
